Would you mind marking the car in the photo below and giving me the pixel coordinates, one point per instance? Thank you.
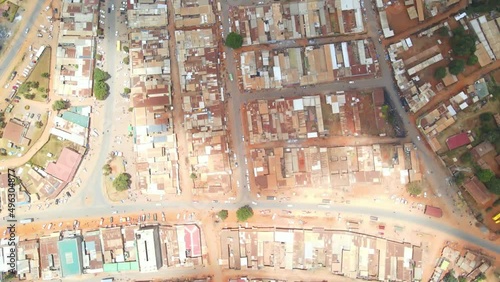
(418, 138)
(32, 115)
(15, 87)
(27, 30)
(115, 212)
(112, 7)
(116, 33)
(351, 82)
(254, 203)
(109, 10)
(38, 116)
(243, 138)
(68, 194)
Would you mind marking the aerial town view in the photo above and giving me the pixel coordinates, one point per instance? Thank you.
(250, 140)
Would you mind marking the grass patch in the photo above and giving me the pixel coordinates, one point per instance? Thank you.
(54, 146)
(117, 167)
(12, 11)
(43, 66)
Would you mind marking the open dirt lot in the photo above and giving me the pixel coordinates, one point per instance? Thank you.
(117, 167)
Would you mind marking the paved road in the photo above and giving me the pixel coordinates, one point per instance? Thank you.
(65, 212)
(93, 194)
(18, 40)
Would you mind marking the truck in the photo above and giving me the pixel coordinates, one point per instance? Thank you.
(433, 211)
(26, 220)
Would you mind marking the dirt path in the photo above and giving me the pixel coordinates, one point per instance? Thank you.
(427, 23)
(461, 84)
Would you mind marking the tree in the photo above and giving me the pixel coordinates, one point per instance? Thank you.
(222, 214)
(126, 90)
(60, 105)
(484, 175)
(234, 40)
(101, 90)
(35, 84)
(100, 75)
(414, 188)
(440, 73)
(459, 178)
(456, 66)
(5, 14)
(450, 277)
(244, 213)
(100, 31)
(41, 89)
(193, 176)
(443, 31)
(38, 124)
(472, 60)
(494, 185)
(45, 75)
(125, 48)
(466, 157)
(126, 60)
(486, 117)
(29, 96)
(106, 169)
(462, 279)
(122, 182)
(462, 43)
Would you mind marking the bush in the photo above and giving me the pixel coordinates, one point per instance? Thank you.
(472, 60)
(60, 105)
(45, 75)
(125, 48)
(484, 175)
(414, 188)
(443, 31)
(223, 214)
(38, 124)
(459, 178)
(440, 73)
(100, 75)
(44, 96)
(494, 186)
(106, 169)
(456, 66)
(234, 40)
(29, 96)
(126, 60)
(244, 213)
(122, 182)
(486, 117)
(126, 90)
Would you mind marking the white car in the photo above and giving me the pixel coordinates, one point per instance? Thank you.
(112, 7)
(418, 138)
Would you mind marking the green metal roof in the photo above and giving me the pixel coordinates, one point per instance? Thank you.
(121, 266)
(70, 256)
(110, 267)
(481, 89)
(76, 118)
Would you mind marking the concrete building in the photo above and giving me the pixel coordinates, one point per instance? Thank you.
(146, 13)
(148, 249)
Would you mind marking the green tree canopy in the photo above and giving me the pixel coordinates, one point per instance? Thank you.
(459, 178)
(60, 105)
(223, 214)
(472, 60)
(234, 40)
(100, 75)
(101, 90)
(244, 213)
(106, 169)
(462, 43)
(440, 73)
(126, 90)
(443, 31)
(484, 175)
(46, 75)
(494, 185)
(122, 182)
(414, 188)
(456, 66)
(126, 60)
(125, 48)
(449, 277)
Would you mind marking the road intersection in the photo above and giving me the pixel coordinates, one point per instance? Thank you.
(79, 206)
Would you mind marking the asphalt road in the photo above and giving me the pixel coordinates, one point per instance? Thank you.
(28, 20)
(93, 194)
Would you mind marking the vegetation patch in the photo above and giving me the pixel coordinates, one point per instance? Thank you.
(244, 213)
(51, 151)
(36, 85)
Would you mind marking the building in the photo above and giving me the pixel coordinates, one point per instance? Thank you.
(458, 140)
(66, 165)
(192, 237)
(353, 255)
(147, 13)
(70, 254)
(148, 249)
(193, 13)
(92, 252)
(28, 264)
(50, 263)
(478, 191)
(14, 132)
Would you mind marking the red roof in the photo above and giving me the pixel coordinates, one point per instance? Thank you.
(433, 211)
(66, 165)
(478, 191)
(458, 140)
(192, 239)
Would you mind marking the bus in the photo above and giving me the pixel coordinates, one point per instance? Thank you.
(118, 47)
(496, 217)
(231, 76)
